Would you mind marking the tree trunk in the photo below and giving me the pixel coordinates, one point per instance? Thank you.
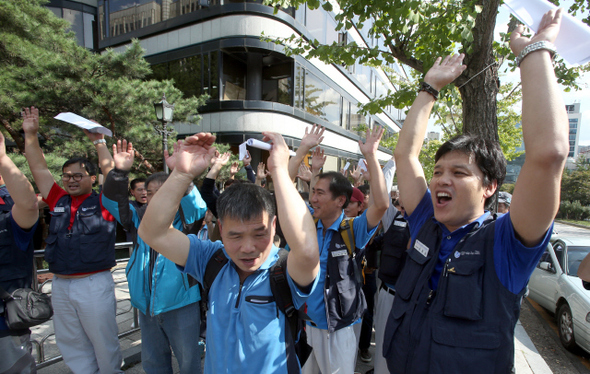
(479, 84)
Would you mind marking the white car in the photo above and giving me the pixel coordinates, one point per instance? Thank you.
(556, 287)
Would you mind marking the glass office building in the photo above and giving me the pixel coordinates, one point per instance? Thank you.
(214, 47)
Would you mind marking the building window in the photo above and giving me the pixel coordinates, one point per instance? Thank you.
(277, 82)
(234, 78)
(321, 100)
(356, 118)
(299, 86)
(81, 25)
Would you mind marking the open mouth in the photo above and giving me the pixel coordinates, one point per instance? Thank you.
(443, 198)
(249, 262)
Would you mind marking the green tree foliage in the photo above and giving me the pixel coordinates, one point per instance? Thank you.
(575, 185)
(41, 65)
(414, 33)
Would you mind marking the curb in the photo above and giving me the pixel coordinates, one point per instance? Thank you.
(573, 224)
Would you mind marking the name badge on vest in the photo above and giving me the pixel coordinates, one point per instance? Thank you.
(339, 253)
(400, 223)
(59, 209)
(421, 247)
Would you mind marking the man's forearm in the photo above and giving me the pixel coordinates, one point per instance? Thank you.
(18, 185)
(105, 160)
(164, 205)
(377, 185)
(296, 160)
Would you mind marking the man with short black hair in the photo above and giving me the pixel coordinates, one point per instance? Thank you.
(138, 192)
(245, 329)
(337, 305)
(458, 297)
(80, 252)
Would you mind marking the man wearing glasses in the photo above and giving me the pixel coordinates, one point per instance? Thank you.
(80, 252)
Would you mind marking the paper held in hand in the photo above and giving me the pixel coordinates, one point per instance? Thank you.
(83, 123)
(573, 41)
(256, 144)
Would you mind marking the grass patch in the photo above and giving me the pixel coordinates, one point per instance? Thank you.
(583, 223)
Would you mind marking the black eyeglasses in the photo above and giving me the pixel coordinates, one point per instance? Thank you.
(76, 177)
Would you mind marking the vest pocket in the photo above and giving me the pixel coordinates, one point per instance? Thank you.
(348, 296)
(50, 243)
(464, 290)
(411, 272)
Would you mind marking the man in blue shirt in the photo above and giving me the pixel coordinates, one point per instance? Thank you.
(338, 303)
(245, 330)
(458, 297)
(18, 218)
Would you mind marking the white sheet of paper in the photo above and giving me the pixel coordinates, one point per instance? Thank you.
(346, 166)
(262, 145)
(363, 164)
(243, 151)
(83, 123)
(573, 41)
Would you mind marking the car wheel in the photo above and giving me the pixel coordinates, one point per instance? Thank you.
(565, 326)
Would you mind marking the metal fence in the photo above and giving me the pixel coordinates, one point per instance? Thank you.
(42, 361)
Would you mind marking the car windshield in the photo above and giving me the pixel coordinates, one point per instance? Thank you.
(575, 255)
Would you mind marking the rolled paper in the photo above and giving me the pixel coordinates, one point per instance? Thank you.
(262, 145)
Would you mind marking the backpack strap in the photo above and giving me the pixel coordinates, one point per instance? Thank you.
(294, 319)
(213, 268)
(347, 232)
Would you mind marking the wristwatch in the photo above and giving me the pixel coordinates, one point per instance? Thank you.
(98, 141)
(428, 88)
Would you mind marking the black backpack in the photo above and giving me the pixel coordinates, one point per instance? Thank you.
(295, 337)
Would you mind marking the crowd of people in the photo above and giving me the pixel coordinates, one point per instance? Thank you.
(295, 280)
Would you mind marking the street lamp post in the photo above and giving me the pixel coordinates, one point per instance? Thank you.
(164, 112)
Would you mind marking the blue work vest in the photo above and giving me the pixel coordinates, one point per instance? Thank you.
(343, 290)
(393, 252)
(16, 265)
(467, 326)
(89, 245)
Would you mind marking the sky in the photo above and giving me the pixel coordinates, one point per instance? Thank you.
(582, 96)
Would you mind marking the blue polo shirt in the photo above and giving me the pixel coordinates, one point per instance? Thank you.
(245, 330)
(316, 308)
(513, 261)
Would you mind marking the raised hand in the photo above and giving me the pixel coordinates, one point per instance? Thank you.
(279, 153)
(304, 173)
(355, 174)
(194, 154)
(247, 159)
(365, 174)
(221, 159)
(317, 159)
(548, 30)
(445, 71)
(370, 146)
(93, 136)
(312, 138)
(234, 168)
(261, 171)
(123, 155)
(30, 120)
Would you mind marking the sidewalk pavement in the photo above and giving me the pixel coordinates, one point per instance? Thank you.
(527, 358)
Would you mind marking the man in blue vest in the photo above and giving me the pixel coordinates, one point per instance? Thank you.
(167, 300)
(246, 331)
(458, 296)
(337, 305)
(80, 252)
(18, 218)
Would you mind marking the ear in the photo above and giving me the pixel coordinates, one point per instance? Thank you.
(341, 200)
(93, 179)
(490, 189)
(219, 225)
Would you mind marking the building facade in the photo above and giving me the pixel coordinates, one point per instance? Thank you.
(575, 120)
(214, 47)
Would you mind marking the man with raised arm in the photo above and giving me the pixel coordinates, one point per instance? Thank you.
(80, 252)
(167, 300)
(458, 297)
(245, 329)
(18, 218)
(337, 305)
